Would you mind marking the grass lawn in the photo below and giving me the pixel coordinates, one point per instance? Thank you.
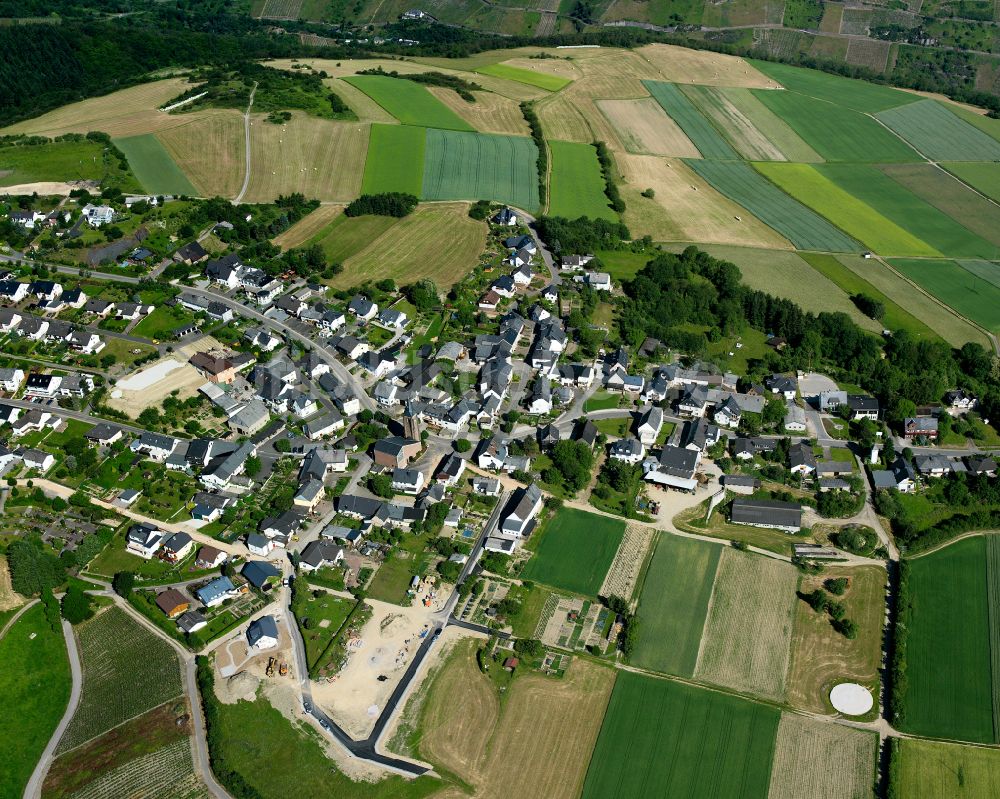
(673, 604)
(395, 160)
(153, 167)
(250, 733)
(614, 427)
(693, 521)
(576, 183)
(323, 617)
(409, 102)
(623, 264)
(969, 294)
(35, 687)
(551, 83)
(575, 551)
(161, 323)
(347, 236)
(532, 604)
(662, 738)
(950, 683)
(601, 401)
(393, 577)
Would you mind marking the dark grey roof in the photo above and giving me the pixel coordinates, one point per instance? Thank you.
(767, 512)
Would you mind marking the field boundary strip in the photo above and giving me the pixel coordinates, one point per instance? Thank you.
(993, 605)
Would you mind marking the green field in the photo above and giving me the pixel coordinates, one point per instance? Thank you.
(835, 132)
(793, 220)
(575, 551)
(153, 166)
(551, 83)
(576, 182)
(664, 739)
(939, 134)
(896, 203)
(857, 94)
(952, 197)
(58, 161)
(805, 183)
(481, 166)
(749, 120)
(348, 235)
(674, 604)
(984, 177)
(127, 670)
(988, 125)
(949, 679)
(698, 129)
(933, 770)
(987, 270)
(251, 733)
(971, 296)
(395, 160)
(896, 318)
(35, 686)
(409, 102)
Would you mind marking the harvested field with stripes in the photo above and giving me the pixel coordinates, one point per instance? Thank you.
(806, 229)
(748, 630)
(308, 227)
(491, 113)
(803, 765)
(697, 128)
(685, 207)
(735, 125)
(209, 148)
(411, 249)
(644, 128)
(128, 112)
(320, 158)
(683, 65)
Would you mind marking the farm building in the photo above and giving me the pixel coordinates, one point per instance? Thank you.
(785, 516)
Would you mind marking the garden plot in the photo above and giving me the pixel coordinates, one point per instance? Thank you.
(574, 623)
(748, 630)
(127, 670)
(625, 569)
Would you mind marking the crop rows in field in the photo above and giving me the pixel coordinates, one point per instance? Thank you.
(837, 132)
(576, 551)
(814, 188)
(674, 603)
(993, 603)
(281, 9)
(127, 670)
(167, 773)
(697, 128)
(957, 287)
(806, 229)
(662, 738)
(748, 630)
(736, 126)
(803, 765)
(939, 134)
(949, 688)
(472, 166)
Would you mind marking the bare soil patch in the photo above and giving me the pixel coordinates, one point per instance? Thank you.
(8, 598)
